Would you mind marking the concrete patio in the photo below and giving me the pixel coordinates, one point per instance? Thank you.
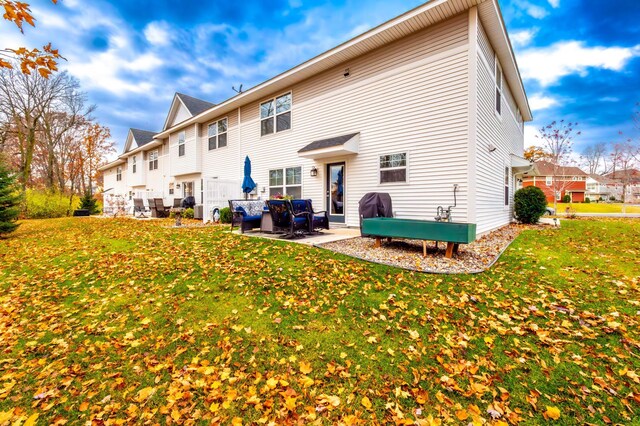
(326, 236)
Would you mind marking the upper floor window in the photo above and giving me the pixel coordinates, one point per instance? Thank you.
(153, 160)
(275, 115)
(393, 168)
(119, 174)
(549, 180)
(181, 140)
(218, 134)
(498, 88)
(134, 164)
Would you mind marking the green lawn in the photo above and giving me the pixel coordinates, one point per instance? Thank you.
(120, 321)
(597, 207)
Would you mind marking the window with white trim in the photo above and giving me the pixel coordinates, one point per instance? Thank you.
(275, 115)
(171, 184)
(217, 133)
(134, 164)
(153, 160)
(181, 143)
(498, 88)
(507, 178)
(549, 180)
(119, 174)
(286, 182)
(393, 168)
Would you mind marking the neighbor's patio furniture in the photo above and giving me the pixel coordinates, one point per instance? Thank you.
(452, 233)
(246, 214)
(138, 207)
(177, 202)
(161, 209)
(319, 219)
(286, 220)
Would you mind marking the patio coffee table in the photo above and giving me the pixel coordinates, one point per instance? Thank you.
(453, 233)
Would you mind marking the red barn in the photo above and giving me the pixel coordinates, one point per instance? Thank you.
(557, 181)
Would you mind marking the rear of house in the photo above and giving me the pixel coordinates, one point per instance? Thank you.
(427, 101)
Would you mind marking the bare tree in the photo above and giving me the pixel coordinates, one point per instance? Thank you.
(557, 141)
(24, 100)
(593, 157)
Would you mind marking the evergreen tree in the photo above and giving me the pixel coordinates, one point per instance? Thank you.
(9, 201)
(89, 203)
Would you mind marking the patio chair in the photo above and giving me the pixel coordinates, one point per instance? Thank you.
(286, 220)
(139, 208)
(161, 210)
(319, 219)
(177, 202)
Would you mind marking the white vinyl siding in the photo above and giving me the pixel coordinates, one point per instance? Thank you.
(493, 206)
(430, 70)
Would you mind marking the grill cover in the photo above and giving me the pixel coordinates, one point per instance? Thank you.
(189, 202)
(374, 204)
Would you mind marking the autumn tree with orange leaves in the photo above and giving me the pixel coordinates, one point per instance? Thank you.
(44, 61)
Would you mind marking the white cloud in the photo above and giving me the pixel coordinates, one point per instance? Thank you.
(158, 33)
(530, 135)
(536, 11)
(522, 38)
(538, 102)
(554, 3)
(548, 65)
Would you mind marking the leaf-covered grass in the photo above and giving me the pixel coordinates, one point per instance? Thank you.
(120, 321)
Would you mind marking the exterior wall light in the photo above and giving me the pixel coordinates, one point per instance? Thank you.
(313, 172)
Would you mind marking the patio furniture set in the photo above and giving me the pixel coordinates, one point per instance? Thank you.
(292, 218)
(157, 208)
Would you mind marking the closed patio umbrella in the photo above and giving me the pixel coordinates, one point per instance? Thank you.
(248, 184)
(340, 182)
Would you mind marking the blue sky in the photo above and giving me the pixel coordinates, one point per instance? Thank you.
(580, 60)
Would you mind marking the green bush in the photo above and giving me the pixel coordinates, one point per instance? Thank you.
(188, 213)
(587, 200)
(89, 203)
(9, 201)
(566, 198)
(530, 204)
(46, 204)
(225, 215)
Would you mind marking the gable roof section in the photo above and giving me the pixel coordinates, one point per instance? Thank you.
(423, 16)
(193, 107)
(138, 137)
(544, 168)
(602, 179)
(630, 175)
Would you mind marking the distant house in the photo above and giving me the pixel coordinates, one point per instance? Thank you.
(426, 102)
(557, 181)
(601, 188)
(630, 179)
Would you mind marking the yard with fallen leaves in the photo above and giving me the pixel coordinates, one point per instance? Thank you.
(116, 321)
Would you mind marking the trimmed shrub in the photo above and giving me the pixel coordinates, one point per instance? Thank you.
(225, 215)
(48, 205)
(9, 201)
(530, 204)
(566, 198)
(587, 200)
(188, 213)
(89, 203)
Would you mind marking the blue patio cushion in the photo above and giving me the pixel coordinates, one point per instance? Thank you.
(248, 218)
(242, 211)
(300, 219)
(299, 206)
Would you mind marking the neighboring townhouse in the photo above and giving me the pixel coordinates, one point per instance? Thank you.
(600, 188)
(557, 181)
(427, 101)
(627, 181)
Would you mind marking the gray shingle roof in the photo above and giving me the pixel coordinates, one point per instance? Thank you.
(142, 137)
(327, 143)
(194, 105)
